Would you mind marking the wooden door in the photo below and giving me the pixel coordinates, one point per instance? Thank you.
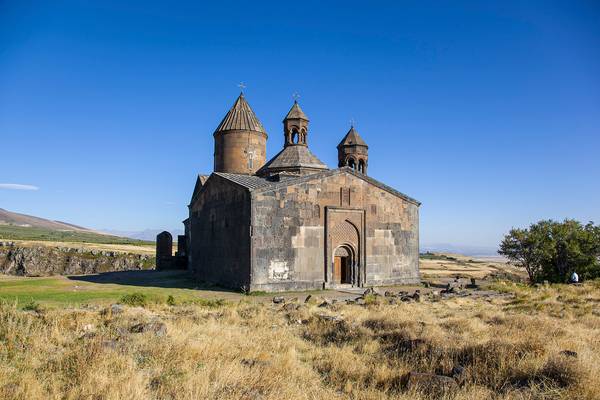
(345, 270)
(337, 269)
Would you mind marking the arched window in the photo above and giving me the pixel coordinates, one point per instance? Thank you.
(352, 163)
(361, 166)
(295, 136)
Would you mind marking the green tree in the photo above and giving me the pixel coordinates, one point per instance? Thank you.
(550, 250)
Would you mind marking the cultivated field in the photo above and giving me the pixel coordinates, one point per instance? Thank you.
(175, 342)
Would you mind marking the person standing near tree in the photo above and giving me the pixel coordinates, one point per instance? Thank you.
(574, 277)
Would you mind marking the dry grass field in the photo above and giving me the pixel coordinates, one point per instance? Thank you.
(531, 343)
(444, 265)
(149, 249)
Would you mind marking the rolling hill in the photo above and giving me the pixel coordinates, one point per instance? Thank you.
(16, 226)
(29, 221)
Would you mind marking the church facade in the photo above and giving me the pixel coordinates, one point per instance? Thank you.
(292, 223)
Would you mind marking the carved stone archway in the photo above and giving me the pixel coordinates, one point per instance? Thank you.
(344, 239)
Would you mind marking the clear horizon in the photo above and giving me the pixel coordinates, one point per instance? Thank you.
(489, 114)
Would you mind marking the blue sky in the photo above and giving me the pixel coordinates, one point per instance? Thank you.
(487, 112)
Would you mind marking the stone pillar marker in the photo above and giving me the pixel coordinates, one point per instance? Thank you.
(164, 250)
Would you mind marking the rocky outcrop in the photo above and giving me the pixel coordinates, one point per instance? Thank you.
(45, 261)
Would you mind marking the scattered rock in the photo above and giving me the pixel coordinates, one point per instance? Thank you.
(307, 299)
(473, 284)
(109, 344)
(369, 291)
(87, 335)
(432, 384)
(116, 309)
(278, 299)
(251, 362)
(459, 374)
(291, 306)
(568, 353)
(158, 328)
(417, 296)
(334, 318)
(389, 294)
(325, 303)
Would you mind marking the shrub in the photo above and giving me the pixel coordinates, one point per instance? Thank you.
(171, 300)
(32, 306)
(134, 299)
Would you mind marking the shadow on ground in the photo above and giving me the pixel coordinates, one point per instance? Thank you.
(149, 278)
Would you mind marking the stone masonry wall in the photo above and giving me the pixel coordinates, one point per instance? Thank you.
(289, 244)
(219, 234)
(240, 152)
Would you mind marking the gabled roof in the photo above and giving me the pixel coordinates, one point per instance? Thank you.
(200, 181)
(293, 157)
(352, 138)
(240, 117)
(296, 113)
(247, 181)
(257, 184)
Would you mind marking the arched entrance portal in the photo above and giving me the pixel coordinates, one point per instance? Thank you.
(344, 265)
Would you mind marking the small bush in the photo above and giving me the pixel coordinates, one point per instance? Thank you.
(134, 299)
(171, 300)
(371, 299)
(32, 306)
(209, 303)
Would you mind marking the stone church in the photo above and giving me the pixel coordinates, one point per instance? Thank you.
(292, 223)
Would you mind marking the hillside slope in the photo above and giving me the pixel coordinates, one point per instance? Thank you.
(23, 220)
(15, 226)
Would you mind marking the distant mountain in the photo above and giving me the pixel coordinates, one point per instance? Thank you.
(146, 234)
(467, 250)
(29, 221)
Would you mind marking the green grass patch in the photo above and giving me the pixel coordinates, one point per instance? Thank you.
(60, 291)
(136, 299)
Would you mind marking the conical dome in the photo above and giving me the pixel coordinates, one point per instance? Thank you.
(240, 141)
(240, 117)
(296, 113)
(352, 138)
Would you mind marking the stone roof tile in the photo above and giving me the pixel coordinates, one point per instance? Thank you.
(352, 138)
(240, 117)
(247, 181)
(296, 113)
(293, 157)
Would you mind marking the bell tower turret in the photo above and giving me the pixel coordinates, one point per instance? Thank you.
(295, 126)
(353, 152)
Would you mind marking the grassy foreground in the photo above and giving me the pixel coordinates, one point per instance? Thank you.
(538, 343)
